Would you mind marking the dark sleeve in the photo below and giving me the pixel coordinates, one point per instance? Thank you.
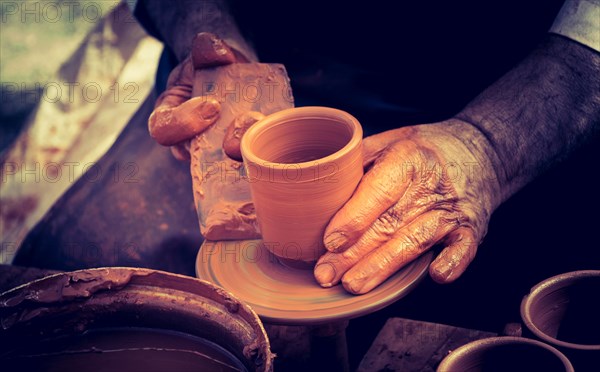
(177, 22)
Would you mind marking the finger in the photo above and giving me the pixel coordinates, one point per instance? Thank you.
(235, 131)
(169, 126)
(175, 117)
(179, 85)
(452, 262)
(332, 266)
(406, 245)
(180, 152)
(379, 189)
(208, 50)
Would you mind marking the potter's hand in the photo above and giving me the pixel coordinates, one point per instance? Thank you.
(425, 186)
(178, 117)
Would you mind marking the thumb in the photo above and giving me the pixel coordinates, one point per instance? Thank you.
(208, 50)
(375, 145)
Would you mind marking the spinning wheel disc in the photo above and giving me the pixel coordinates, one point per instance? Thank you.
(285, 295)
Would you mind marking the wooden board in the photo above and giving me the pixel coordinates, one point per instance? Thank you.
(410, 345)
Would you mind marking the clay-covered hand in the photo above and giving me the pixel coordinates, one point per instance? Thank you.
(425, 185)
(178, 117)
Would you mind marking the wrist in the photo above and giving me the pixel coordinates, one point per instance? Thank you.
(463, 144)
(490, 167)
(539, 112)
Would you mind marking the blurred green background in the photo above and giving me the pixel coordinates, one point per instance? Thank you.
(36, 37)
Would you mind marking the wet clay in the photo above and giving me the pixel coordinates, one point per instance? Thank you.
(92, 306)
(283, 295)
(221, 190)
(116, 349)
(303, 164)
(501, 354)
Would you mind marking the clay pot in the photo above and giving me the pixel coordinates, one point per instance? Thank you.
(303, 164)
(564, 311)
(505, 354)
(130, 319)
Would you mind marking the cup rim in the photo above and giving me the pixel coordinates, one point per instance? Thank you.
(541, 288)
(296, 113)
(486, 343)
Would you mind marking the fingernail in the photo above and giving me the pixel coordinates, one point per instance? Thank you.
(334, 240)
(324, 273)
(210, 109)
(441, 273)
(353, 286)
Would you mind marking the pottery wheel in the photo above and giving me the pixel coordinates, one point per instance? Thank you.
(284, 295)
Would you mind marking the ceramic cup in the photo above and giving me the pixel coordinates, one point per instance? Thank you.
(302, 164)
(513, 354)
(564, 311)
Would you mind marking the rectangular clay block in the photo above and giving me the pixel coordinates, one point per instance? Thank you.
(221, 191)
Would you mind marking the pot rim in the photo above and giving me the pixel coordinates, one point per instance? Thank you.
(486, 343)
(543, 287)
(307, 112)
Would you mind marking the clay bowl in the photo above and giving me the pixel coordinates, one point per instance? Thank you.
(503, 354)
(564, 311)
(128, 319)
(302, 164)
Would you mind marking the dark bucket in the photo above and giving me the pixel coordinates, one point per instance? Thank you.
(128, 319)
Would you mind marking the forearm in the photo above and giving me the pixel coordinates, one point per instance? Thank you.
(178, 21)
(538, 113)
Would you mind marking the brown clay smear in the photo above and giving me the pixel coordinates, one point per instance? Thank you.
(60, 287)
(219, 182)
